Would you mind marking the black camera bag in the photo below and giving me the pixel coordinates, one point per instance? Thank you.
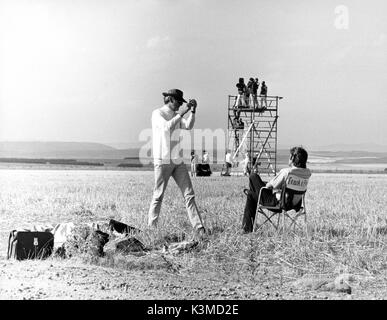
(203, 170)
(30, 244)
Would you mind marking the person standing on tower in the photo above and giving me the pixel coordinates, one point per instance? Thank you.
(254, 93)
(263, 95)
(240, 101)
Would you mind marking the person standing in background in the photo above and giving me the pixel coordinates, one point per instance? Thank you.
(228, 162)
(194, 162)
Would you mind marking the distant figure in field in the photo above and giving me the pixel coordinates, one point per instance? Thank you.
(204, 166)
(205, 157)
(297, 166)
(228, 162)
(246, 165)
(194, 162)
(263, 95)
(167, 159)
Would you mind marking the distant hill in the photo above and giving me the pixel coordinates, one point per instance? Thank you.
(124, 145)
(370, 147)
(64, 150)
(88, 150)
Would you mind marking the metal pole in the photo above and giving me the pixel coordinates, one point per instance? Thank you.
(276, 134)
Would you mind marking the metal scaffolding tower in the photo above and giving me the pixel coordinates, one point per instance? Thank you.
(254, 134)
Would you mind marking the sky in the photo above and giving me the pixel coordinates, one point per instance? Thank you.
(95, 70)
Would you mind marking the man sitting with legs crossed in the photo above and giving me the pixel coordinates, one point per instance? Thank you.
(297, 167)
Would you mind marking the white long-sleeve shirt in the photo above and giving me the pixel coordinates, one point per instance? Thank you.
(166, 125)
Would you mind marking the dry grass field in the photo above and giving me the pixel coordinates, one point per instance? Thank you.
(346, 239)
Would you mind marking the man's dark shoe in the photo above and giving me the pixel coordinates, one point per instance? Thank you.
(200, 234)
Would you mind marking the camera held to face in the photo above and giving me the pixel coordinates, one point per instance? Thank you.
(192, 104)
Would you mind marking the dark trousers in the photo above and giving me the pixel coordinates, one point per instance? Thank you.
(255, 184)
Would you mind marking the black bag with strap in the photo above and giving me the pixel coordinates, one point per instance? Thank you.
(30, 244)
(203, 170)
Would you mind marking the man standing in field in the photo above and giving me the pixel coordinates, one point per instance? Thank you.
(166, 122)
(228, 163)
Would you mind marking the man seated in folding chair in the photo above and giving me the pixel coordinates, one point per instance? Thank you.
(295, 177)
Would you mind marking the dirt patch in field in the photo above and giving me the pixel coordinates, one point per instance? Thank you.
(75, 280)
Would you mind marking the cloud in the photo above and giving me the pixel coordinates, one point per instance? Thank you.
(156, 41)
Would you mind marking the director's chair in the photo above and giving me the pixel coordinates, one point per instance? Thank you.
(292, 199)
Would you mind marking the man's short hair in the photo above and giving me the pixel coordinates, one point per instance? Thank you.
(299, 156)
